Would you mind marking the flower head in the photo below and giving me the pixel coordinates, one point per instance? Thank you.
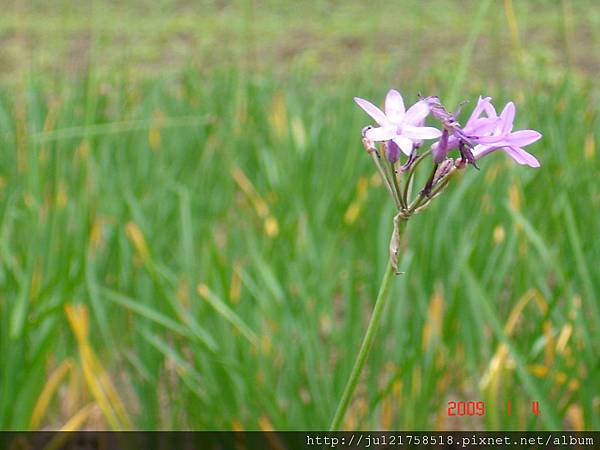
(503, 138)
(465, 137)
(404, 128)
(404, 131)
(483, 133)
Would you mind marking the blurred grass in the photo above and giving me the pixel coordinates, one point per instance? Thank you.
(201, 247)
(141, 38)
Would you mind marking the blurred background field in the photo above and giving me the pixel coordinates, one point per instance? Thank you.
(191, 235)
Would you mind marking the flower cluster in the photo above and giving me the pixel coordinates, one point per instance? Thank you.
(403, 131)
(483, 132)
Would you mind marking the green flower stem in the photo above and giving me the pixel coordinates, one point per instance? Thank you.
(365, 347)
(385, 179)
(411, 174)
(397, 190)
(423, 199)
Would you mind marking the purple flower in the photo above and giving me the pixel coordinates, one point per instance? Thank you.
(478, 126)
(502, 137)
(403, 128)
(468, 135)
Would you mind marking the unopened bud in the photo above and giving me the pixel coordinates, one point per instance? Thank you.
(368, 143)
(460, 163)
(439, 150)
(411, 159)
(392, 151)
(443, 169)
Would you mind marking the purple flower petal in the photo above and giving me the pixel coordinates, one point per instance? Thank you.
(521, 156)
(479, 151)
(491, 139)
(381, 134)
(416, 113)
(413, 132)
(523, 137)
(372, 110)
(507, 116)
(394, 106)
(481, 127)
(489, 108)
(405, 144)
(518, 154)
(483, 104)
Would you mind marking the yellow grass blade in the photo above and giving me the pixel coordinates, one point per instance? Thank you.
(235, 288)
(261, 207)
(136, 236)
(278, 116)
(271, 226)
(265, 425)
(490, 378)
(511, 18)
(48, 392)
(563, 338)
(76, 422)
(433, 325)
(96, 377)
(589, 147)
(353, 211)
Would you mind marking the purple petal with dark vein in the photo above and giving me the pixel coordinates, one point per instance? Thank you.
(491, 139)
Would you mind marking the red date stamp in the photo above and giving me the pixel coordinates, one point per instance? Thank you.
(466, 408)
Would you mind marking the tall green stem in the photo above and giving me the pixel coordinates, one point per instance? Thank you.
(392, 170)
(385, 178)
(365, 347)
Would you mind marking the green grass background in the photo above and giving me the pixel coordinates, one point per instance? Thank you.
(186, 181)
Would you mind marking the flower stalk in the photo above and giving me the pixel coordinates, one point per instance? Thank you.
(365, 347)
(403, 131)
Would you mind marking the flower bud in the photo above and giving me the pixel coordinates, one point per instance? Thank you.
(460, 163)
(392, 151)
(368, 143)
(411, 159)
(443, 170)
(439, 150)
